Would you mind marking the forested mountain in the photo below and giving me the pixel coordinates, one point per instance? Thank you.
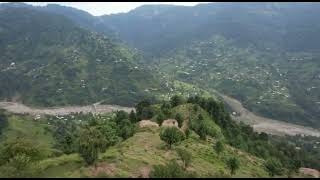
(288, 26)
(265, 54)
(48, 60)
(171, 63)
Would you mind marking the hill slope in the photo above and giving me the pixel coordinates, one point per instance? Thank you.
(59, 63)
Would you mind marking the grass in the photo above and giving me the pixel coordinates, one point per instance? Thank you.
(26, 126)
(137, 154)
(63, 166)
(145, 149)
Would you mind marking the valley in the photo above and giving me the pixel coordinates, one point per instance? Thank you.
(270, 126)
(96, 108)
(259, 124)
(211, 90)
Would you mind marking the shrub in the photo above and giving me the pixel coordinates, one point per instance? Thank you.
(171, 135)
(185, 157)
(233, 164)
(170, 170)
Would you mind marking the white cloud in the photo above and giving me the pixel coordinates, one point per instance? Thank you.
(102, 8)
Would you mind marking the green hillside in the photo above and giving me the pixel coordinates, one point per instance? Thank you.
(124, 149)
(59, 63)
(268, 83)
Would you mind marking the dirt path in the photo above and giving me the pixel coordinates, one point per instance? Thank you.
(262, 124)
(94, 108)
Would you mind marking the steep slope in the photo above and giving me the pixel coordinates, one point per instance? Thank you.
(263, 54)
(265, 25)
(275, 85)
(136, 156)
(79, 17)
(47, 60)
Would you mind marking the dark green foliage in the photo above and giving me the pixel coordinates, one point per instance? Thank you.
(202, 130)
(165, 108)
(19, 158)
(176, 100)
(147, 113)
(91, 142)
(160, 118)
(200, 117)
(66, 135)
(143, 110)
(170, 170)
(60, 63)
(179, 119)
(133, 117)
(219, 147)
(187, 132)
(233, 164)
(121, 115)
(185, 156)
(171, 135)
(3, 121)
(18, 146)
(274, 167)
(127, 129)
(109, 129)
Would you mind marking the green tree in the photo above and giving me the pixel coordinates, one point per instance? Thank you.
(179, 119)
(140, 106)
(91, 142)
(18, 146)
(171, 135)
(202, 130)
(165, 108)
(121, 115)
(219, 147)
(160, 118)
(126, 129)
(147, 113)
(273, 166)
(176, 100)
(233, 164)
(109, 131)
(133, 117)
(185, 157)
(19, 158)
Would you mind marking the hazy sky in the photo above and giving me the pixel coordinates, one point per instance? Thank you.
(101, 8)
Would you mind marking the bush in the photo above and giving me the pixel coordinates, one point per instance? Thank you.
(171, 135)
(185, 157)
(273, 166)
(170, 170)
(160, 118)
(219, 147)
(176, 101)
(233, 164)
(90, 143)
(179, 119)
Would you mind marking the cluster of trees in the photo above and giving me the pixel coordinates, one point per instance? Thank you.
(281, 157)
(243, 137)
(94, 135)
(19, 158)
